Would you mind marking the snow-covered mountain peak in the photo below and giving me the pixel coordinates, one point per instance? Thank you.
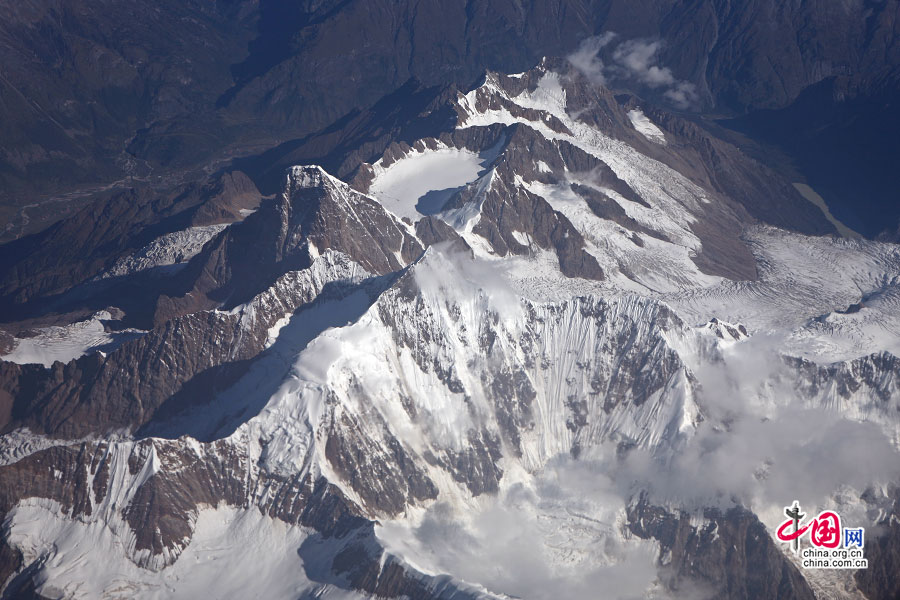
(309, 176)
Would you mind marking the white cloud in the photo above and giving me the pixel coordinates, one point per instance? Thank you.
(762, 445)
(633, 61)
(558, 534)
(638, 58)
(445, 275)
(562, 533)
(683, 94)
(587, 60)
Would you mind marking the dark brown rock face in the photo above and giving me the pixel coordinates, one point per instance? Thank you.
(431, 230)
(879, 373)
(125, 389)
(741, 190)
(722, 167)
(266, 261)
(505, 211)
(732, 555)
(80, 247)
(75, 489)
(879, 581)
(315, 210)
(173, 481)
(606, 208)
(386, 481)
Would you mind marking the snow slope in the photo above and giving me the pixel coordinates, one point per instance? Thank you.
(233, 553)
(55, 343)
(419, 183)
(646, 127)
(170, 249)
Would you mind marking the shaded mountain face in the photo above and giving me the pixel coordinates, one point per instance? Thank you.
(839, 134)
(105, 94)
(527, 338)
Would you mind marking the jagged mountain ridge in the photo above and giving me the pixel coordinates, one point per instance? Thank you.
(97, 95)
(448, 384)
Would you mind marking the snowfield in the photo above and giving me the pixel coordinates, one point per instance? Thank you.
(170, 249)
(62, 344)
(232, 552)
(646, 127)
(420, 183)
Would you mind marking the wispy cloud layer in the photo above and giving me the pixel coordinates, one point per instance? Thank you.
(587, 57)
(558, 534)
(562, 532)
(634, 61)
